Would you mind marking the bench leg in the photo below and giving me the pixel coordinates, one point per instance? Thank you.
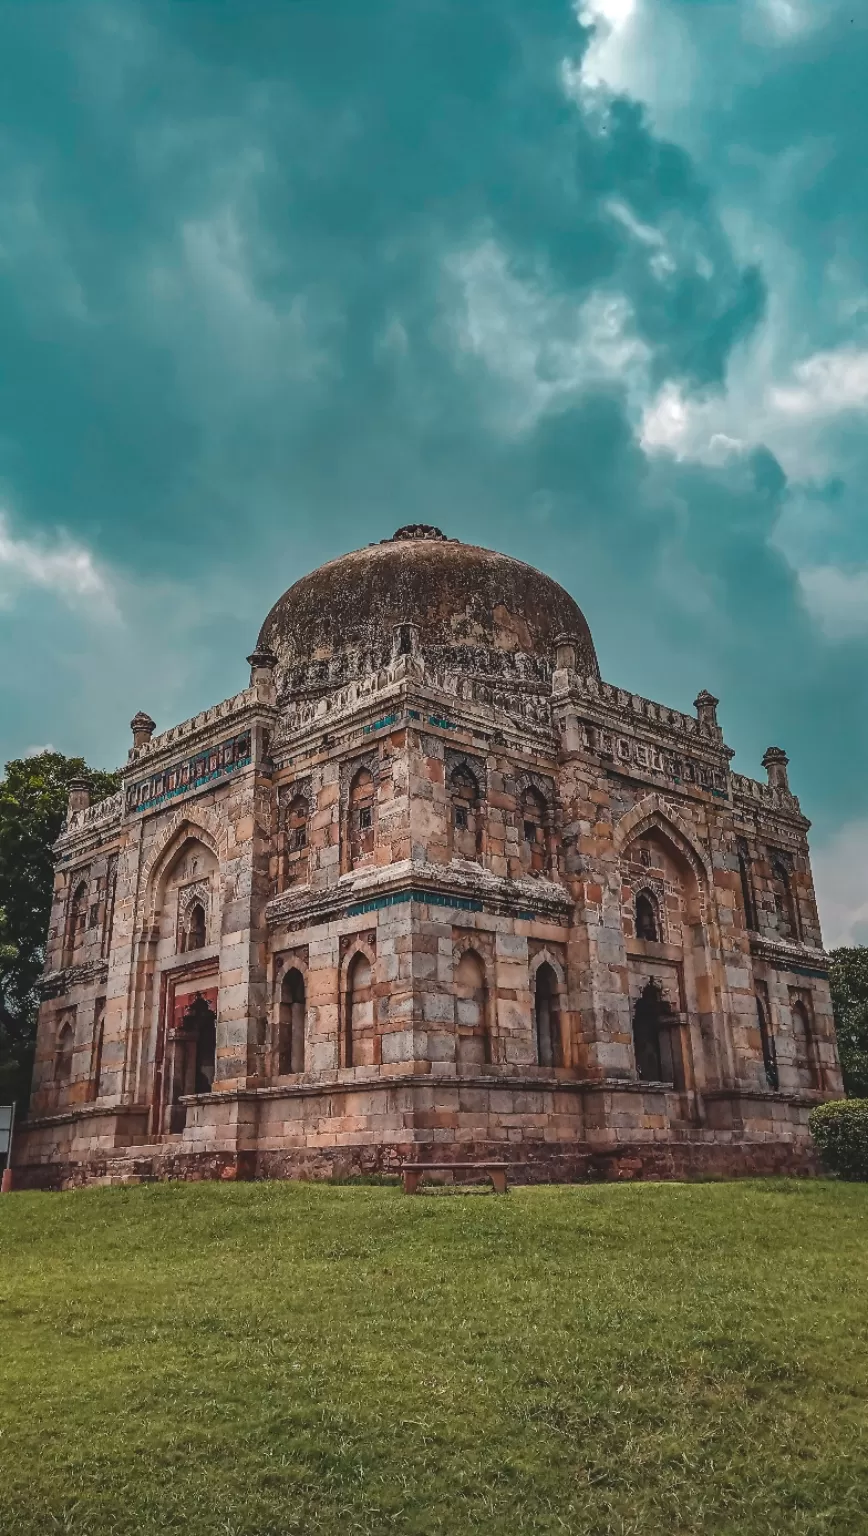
(498, 1179)
(411, 1181)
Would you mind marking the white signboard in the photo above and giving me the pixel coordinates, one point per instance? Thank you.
(7, 1117)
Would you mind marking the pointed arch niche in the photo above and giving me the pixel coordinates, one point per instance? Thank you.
(170, 1052)
(473, 1040)
(676, 1025)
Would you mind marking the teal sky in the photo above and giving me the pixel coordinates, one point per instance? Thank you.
(587, 284)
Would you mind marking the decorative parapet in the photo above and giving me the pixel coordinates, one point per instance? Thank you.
(645, 739)
(625, 703)
(526, 706)
(195, 726)
(184, 775)
(95, 817)
(766, 795)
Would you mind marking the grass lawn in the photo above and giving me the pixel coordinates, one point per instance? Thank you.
(259, 1359)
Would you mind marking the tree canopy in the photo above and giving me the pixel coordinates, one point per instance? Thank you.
(849, 982)
(33, 798)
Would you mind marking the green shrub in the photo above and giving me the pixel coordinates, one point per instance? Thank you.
(840, 1130)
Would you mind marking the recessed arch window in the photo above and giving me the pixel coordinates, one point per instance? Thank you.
(767, 1043)
(648, 917)
(464, 794)
(785, 905)
(471, 1011)
(358, 1013)
(361, 816)
(746, 891)
(547, 1017)
(534, 828)
(296, 825)
(803, 1045)
(76, 921)
(291, 1027)
(63, 1053)
(194, 928)
(96, 1083)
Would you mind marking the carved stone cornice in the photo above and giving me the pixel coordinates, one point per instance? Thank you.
(455, 885)
(784, 956)
(58, 983)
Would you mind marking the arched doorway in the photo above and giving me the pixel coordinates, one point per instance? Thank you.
(657, 1038)
(200, 1022)
(193, 1060)
(547, 1017)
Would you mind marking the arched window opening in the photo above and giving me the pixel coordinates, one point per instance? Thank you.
(465, 817)
(358, 1014)
(549, 1046)
(647, 917)
(194, 930)
(767, 1044)
(361, 812)
(471, 1012)
(98, 1034)
(747, 892)
(76, 922)
(292, 840)
(803, 1043)
(534, 831)
(656, 1037)
(296, 825)
(200, 1026)
(63, 1053)
(290, 1046)
(785, 906)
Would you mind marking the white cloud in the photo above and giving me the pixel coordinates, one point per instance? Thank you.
(38, 751)
(790, 18)
(787, 415)
(636, 49)
(689, 428)
(58, 565)
(538, 345)
(839, 867)
(837, 599)
(825, 384)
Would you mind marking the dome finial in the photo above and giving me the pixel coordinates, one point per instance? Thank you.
(418, 531)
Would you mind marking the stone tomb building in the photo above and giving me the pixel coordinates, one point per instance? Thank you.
(430, 887)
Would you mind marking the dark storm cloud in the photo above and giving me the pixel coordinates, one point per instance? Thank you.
(275, 278)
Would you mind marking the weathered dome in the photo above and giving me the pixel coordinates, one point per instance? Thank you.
(468, 605)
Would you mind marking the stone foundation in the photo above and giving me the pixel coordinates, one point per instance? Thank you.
(549, 1130)
(582, 1164)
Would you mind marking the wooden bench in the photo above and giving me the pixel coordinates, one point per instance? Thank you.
(413, 1173)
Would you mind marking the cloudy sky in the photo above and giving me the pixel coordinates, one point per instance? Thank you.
(589, 284)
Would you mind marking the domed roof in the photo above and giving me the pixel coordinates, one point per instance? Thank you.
(461, 598)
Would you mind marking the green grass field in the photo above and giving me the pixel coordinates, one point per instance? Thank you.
(254, 1360)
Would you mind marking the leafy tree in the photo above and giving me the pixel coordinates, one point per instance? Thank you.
(849, 981)
(33, 797)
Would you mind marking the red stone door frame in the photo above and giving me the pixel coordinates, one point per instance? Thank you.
(172, 1008)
